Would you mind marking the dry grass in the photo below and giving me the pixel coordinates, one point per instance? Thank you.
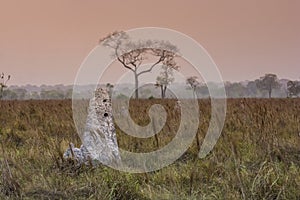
(257, 156)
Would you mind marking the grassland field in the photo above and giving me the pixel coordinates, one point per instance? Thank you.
(256, 157)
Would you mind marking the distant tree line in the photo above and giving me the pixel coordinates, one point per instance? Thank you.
(23, 94)
(264, 87)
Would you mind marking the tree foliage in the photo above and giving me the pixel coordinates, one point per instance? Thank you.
(165, 78)
(193, 82)
(268, 83)
(235, 90)
(293, 88)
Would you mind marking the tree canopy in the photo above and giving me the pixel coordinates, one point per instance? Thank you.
(132, 54)
(268, 82)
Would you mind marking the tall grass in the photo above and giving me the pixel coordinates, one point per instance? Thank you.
(256, 157)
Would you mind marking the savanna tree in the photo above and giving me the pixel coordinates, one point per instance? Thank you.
(3, 81)
(109, 87)
(165, 78)
(268, 83)
(193, 83)
(293, 88)
(133, 54)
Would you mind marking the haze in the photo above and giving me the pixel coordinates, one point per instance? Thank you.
(44, 42)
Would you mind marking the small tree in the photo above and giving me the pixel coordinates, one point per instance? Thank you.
(109, 88)
(194, 83)
(165, 78)
(268, 83)
(293, 88)
(3, 82)
(132, 54)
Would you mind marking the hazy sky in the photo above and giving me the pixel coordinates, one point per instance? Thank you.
(45, 41)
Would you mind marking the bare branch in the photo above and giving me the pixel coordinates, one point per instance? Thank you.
(150, 69)
(123, 63)
(131, 53)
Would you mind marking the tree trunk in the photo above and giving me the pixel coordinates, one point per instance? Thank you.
(270, 92)
(162, 91)
(165, 89)
(136, 86)
(1, 92)
(194, 93)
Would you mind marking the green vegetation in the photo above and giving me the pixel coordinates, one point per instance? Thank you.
(256, 157)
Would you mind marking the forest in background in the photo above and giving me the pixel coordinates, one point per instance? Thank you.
(283, 88)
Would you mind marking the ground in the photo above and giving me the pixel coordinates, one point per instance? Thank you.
(256, 157)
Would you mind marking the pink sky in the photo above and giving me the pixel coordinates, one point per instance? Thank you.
(45, 41)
